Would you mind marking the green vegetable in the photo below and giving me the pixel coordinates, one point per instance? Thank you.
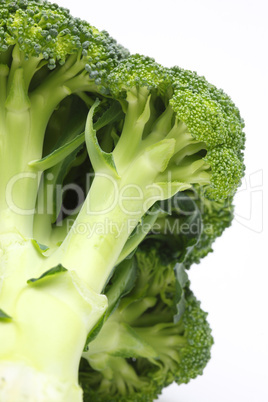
(158, 334)
(94, 144)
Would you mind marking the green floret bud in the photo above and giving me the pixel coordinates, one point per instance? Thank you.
(228, 124)
(179, 105)
(227, 170)
(197, 352)
(212, 118)
(137, 71)
(44, 28)
(202, 116)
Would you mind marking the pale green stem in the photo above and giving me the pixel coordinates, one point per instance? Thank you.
(19, 182)
(4, 70)
(111, 211)
(98, 235)
(138, 113)
(42, 342)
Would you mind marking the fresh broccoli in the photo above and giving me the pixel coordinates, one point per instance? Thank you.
(154, 139)
(158, 334)
(91, 139)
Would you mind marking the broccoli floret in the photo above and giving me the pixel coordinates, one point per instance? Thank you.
(158, 149)
(166, 106)
(158, 334)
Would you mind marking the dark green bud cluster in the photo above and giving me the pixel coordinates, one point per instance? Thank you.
(227, 169)
(196, 354)
(138, 71)
(212, 118)
(212, 113)
(48, 31)
(209, 114)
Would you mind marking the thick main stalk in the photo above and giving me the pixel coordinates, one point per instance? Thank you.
(111, 211)
(43, 336)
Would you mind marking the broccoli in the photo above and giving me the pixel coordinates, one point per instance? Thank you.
(79, 114)
(156, 336)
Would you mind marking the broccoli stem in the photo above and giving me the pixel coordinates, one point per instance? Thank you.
(4, 70)
(21, 382)
(46, 317)
(118, 198)
(65, 80)
(167, 339)
(138, 113)
(112, 209)
(19, 183)
(100, 232)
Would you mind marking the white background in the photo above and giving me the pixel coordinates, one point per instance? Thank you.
(226, 41)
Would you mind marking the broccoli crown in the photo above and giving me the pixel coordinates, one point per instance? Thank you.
(162, 315)
(42, 29)
(210, 142)
(74, 104)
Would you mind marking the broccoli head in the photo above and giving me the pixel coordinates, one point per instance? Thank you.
(125, 133)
